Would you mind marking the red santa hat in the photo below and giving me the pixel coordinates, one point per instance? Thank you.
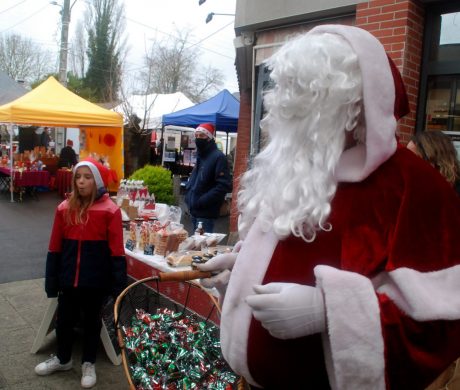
(384, 101)
(206, 128)
(69, 142)
(100, 172)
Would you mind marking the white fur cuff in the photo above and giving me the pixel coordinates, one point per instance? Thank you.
(353, 347)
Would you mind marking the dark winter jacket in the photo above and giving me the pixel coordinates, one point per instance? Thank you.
(208, 184)
(88, 255)
(67, 157)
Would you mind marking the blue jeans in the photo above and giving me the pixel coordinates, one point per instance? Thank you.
(208, 224)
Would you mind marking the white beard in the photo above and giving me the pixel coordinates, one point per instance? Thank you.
(292, 183)
(316, 99)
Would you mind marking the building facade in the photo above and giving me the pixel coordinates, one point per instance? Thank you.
(421, 36)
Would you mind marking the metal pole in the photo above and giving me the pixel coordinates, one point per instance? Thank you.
(65, 21)
(64, 43)
(10, 130)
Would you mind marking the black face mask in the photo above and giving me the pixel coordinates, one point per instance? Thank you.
(201, 144)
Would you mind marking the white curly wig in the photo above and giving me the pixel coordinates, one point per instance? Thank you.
(331, 80)
(316, 98)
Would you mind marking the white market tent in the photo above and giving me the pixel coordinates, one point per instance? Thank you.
(151, 108)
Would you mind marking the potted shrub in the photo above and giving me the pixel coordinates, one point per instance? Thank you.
(158, 180)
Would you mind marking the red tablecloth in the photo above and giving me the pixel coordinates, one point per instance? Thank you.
(141, 266)
(63, 182)
(28, 178)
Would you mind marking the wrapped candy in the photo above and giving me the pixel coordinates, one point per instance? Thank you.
(169, 350)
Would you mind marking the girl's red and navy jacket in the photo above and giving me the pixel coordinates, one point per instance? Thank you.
(88, 255)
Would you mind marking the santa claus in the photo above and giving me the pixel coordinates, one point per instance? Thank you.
(348, 276)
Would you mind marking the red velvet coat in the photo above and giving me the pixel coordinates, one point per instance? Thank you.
(390, 274)
(89, 255)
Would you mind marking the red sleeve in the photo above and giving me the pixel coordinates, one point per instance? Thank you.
(57, 232)
(115, 234)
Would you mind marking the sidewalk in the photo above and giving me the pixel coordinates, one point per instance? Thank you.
(22, 305)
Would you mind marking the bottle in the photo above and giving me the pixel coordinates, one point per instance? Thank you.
(199, 229)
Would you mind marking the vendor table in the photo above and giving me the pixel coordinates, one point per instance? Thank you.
(140, 266)
(24, 179)
(63, 182)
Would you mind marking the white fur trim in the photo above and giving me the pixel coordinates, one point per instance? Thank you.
(357, 163)
(250, 267)
(353, 347)
(206, 131)
(97, 175)
(423, 296)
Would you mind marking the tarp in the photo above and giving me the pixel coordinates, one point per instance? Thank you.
(52, 104)
(9, 89)
(222, 110)
(150, 108)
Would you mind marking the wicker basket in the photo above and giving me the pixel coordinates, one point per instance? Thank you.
(150, 294)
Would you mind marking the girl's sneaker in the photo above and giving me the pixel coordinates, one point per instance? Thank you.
(88, 375)
(52, 365)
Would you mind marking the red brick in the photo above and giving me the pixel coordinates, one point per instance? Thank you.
(371, 27)
(392, 39)
(399, 30)
(380, 3)
(395, 7)
(401, 14)
(397, 46)
(380, 18)
(393, 23)
(387, 48)
(360, 21)
(368, 12)
(383, 33)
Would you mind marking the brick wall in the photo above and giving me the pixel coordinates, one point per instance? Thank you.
(398, 24)
(243, 144)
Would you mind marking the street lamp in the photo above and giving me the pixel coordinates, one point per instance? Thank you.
(211, 15)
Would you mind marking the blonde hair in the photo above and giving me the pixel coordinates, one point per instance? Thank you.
(77, 212)
(438, 149)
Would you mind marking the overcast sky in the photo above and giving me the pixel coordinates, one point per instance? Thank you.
(145, 20)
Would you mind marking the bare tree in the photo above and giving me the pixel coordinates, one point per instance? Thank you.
(21, 59)
(173, 67)
(78, 60)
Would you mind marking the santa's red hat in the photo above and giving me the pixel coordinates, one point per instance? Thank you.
(384, 101)
(100, 172)
(206, 128)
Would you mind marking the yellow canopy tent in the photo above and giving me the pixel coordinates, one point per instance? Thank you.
(51, 104)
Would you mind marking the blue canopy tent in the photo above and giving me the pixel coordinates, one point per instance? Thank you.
(222, 110)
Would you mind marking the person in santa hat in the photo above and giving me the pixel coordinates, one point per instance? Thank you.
(348, 273)
(85, 264)
(209, 181)
(67, 156)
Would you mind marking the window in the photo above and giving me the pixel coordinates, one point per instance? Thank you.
(443, 103)
(439, 107)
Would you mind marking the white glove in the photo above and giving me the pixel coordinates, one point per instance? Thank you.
(288, 310)
(222, 265)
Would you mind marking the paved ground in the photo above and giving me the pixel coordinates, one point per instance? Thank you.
(22, 305)
(24, 233)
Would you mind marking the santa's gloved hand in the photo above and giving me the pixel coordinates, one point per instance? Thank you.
(222, 266)
(288, 310)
